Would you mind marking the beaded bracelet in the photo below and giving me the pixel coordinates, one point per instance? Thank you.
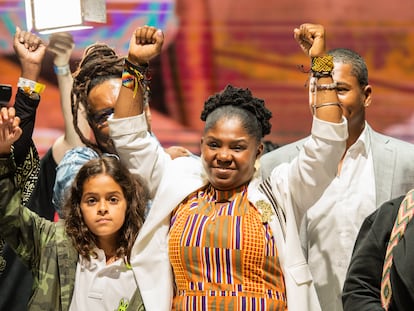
(134, 76)
(326, 87)
(314, 107)
(314, 86)
(322, 66)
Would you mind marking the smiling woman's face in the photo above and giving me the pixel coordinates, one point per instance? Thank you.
(229, 153)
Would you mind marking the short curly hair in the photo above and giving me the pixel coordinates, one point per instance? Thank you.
(136, 195)
(234, 101)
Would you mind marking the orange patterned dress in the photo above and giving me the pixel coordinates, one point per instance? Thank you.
(223, 256)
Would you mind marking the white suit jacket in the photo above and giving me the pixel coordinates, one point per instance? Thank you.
(294, 185)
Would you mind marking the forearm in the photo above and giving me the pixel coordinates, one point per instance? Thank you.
(145, 43)
(26, 109)
(70, 139)
(138, 150)
(323, 97)
(317, 162)
(128, 104)
(130, 100)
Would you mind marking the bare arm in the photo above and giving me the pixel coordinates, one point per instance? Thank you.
(61, 46)
(145, 44)
(312, 40)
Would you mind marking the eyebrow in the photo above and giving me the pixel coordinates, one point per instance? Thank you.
(107, 193)
(339, 83)
(241, 140)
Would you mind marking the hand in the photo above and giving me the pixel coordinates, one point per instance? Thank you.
(30, 51)
(61, 45)
(311, 38)
(146, 43)
(177, 151)
(10, 131)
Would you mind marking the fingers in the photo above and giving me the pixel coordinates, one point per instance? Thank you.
(61, 36)
(9, 128)
(61, 46)
(7, 115)
(61, 42)
(311, 38)
(177, 151)
(148, 35)
(146, 43)
(30, 41)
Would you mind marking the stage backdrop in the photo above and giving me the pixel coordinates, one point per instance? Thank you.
(250, 44)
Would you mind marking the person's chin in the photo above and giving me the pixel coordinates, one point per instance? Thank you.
(223, 184)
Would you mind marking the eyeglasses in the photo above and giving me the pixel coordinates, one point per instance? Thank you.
(100, 117)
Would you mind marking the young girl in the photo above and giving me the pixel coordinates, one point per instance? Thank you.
(83, 262)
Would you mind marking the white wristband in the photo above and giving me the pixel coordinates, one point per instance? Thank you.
(62, 70)
(30, 86)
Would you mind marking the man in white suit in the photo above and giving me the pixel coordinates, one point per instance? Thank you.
(373, 169)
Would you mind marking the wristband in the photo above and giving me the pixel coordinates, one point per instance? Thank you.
(61, 70)
(134, 76)
(326, 87)
(30, 86)
(322, 66)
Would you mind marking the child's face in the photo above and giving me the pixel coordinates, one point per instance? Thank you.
(103, 207)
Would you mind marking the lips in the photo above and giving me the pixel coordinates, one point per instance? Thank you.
(103, 220)
(222, 171)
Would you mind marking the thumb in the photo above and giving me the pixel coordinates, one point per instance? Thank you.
(160, 36)
(159, 39)
(17, 33)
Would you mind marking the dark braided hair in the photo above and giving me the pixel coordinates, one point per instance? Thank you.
(98, 64)
(240, 102)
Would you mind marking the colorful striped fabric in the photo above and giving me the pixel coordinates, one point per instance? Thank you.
(223, 256)
(405, 213)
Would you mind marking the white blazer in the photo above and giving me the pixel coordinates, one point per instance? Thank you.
(295, 185)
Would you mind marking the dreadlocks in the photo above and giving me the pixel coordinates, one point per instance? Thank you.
(98, 64)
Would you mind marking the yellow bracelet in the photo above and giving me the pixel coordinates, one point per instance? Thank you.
(30, 86)
(322, 65)
(134, 76)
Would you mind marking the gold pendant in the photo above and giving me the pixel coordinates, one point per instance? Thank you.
(265, 209)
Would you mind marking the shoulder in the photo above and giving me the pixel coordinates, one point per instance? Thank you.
(383, 218)
(280, 155)
(392, 141)
(73, 160)
(189, 165)
(288, 149)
